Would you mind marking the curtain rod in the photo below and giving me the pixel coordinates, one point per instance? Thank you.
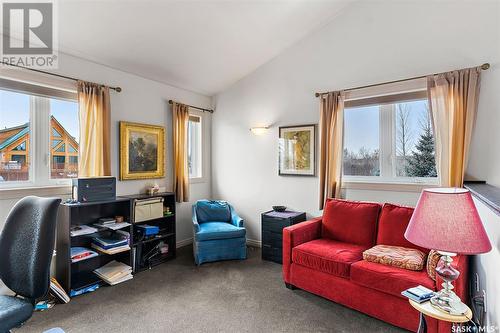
(484, 67)
(194, 107)
(117, 89)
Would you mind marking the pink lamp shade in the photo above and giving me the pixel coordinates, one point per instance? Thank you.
(446, 219)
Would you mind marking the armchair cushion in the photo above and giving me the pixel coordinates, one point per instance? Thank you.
(350, 221)
(218, 230)
(212, 211)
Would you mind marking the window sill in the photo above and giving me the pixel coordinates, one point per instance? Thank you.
(49, 190)
(197, 180)
(387, 186)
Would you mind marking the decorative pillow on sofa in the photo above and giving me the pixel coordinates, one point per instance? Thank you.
(396, 256)
(392, 225)
(351, 222)
(432, 261)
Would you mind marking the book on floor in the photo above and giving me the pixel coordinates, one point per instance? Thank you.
(57, 291)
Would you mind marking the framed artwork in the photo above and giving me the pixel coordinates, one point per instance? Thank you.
(142, 151)
(297, 145)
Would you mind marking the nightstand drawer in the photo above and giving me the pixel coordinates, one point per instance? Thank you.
(274, 224)
(272, 253)
(272, 238)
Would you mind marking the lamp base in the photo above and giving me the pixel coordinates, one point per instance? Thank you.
(445, 299)
(448, 302)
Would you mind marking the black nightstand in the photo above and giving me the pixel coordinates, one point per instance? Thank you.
(272, 232)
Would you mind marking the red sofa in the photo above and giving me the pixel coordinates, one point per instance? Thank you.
(324, 256)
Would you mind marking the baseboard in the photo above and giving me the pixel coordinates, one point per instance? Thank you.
(189, 241)
(253, 242)
(184, 242)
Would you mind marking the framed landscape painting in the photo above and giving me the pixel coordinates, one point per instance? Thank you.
(297, 145)
(142, 151)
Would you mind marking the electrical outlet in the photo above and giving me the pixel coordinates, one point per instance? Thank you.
(484, 300)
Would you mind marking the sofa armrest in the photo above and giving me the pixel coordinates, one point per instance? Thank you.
(460, 262)
(295, 235)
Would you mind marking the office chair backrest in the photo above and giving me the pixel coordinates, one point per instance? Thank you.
(27, 245)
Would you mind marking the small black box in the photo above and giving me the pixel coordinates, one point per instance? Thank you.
(94, 189)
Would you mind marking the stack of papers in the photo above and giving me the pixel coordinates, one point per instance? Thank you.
(82, 253)
(115, 243)
(82, 230)
(58, 291)
(114, 226)
(114, 272)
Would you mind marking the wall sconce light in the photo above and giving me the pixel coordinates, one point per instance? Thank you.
(259, 130)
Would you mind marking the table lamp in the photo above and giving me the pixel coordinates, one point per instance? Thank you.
(446, 220)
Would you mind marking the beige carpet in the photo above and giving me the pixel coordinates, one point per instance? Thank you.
(230, 296)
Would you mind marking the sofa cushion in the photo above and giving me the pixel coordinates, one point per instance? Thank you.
(388, 279)
(350, 221)
(328, 256)
(212, 211)
(218, 230)
(392, 225)
(396, 256)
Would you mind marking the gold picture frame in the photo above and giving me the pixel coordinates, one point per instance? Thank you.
(142, 151)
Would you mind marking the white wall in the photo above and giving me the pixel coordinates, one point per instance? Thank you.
(368, 42)
(486, 266)
(143, 101)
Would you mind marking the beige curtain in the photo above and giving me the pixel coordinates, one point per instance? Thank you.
(94, 154)
(453, 98)
(180, 118)
(331, 125)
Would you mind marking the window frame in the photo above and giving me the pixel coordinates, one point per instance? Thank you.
(40, 132)
(386, 96)
(201, 147)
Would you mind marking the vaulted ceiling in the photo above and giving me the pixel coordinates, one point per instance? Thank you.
(203, 46)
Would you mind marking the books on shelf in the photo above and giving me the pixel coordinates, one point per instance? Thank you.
(114, 272)
(58, 291)
(112, 241)
(81, 230)
(82, 253)
(113, 250)
(419, 293)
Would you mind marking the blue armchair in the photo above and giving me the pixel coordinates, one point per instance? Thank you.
(219, 233)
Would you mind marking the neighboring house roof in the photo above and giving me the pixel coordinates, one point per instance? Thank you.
(14, 138)
(13, 128)
(25, 130)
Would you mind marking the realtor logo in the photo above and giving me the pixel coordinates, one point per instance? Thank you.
(28, 36)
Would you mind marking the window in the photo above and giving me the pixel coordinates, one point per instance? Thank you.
(194, 147)
(389, 139)
(37, 127)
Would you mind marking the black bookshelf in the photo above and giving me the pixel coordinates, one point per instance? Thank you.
(80, 274)
(145, 251)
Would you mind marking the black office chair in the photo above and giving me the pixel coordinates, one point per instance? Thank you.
(26, 249)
